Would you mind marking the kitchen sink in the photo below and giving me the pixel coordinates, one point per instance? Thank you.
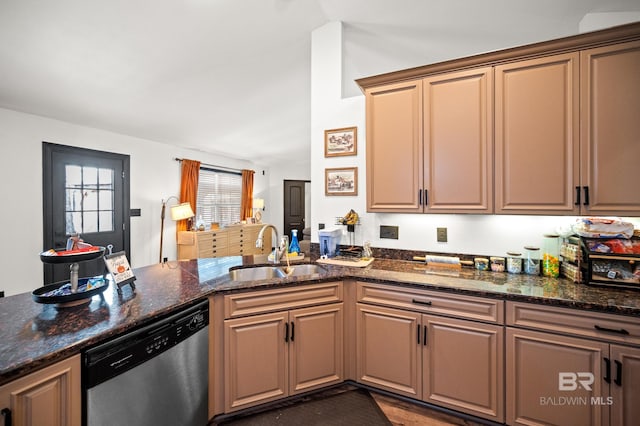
(305, 269)
(270, 272)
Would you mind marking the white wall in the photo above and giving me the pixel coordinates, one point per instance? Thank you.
(472, 234)
(598, 21)
(155, 175)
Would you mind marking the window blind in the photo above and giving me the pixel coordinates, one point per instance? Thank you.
(219, 195)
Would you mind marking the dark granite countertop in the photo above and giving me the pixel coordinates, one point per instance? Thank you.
(34, 335)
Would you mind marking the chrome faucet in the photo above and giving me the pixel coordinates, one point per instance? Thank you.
(279, 250)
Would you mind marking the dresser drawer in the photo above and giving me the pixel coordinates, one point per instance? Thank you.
(239, 237)
(257, 302)
(611, 327)
(433, 302)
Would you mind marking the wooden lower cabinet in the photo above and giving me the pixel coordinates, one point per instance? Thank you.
(274, 355)
(561, 380)
(445, 361)
(48, 397)
(625, 385)
(388, 352)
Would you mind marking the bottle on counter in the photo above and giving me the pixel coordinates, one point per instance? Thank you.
(294, 247)
(514, 262)
(551, 255)
(532, 260)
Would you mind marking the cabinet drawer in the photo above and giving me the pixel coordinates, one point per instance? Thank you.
(611, 327)
(434, 302)
(186, 238)
(204, 239)
(240, 238)
(219, 242)
(256, 302)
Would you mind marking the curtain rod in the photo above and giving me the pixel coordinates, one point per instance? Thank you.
(214, 167)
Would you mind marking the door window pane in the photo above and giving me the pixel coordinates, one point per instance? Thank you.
(105, 221)
(105, 200)
(74, 223)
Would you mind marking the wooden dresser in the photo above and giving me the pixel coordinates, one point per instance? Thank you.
(234, 240)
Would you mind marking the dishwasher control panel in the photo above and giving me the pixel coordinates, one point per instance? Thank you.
(118, 355)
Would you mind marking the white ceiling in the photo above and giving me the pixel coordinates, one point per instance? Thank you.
(232, 77)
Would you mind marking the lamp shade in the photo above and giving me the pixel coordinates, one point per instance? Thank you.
(181, 211)
(258, 203)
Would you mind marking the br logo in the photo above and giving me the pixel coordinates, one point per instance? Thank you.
(568, 381)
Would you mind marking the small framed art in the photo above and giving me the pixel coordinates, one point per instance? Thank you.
(340, 142)
(341, 181)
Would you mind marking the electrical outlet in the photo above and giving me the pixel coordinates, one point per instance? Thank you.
(442, 235)
(321, 226)
(390, 232)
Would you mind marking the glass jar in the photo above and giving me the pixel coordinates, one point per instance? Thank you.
(532, 260)
(551, 255)
(514, 262)
(497, 263)
(482, 263)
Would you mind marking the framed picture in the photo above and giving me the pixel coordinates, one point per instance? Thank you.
(339, 142)
(341, 181)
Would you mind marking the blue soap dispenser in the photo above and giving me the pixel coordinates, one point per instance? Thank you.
(294, 247)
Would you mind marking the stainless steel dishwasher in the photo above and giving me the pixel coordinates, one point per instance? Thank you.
(155, 375)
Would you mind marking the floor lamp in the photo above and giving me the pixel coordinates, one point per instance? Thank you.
(178, 212)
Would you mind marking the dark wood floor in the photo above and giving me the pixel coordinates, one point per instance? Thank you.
(398, 411)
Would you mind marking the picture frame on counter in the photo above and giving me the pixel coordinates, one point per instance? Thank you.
(341, 181)
(120, 270)
(341, 142)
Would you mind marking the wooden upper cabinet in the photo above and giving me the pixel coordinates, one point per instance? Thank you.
(536, 135)
(549, 128)
(394, 147)
(458, 142)
(429, 144)
(610, 133)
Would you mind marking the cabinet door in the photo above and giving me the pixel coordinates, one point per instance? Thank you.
(388, 350)
(625, 385)
(555, 380)
(49, 397)
(394, 147)
(315, 347)
(536, 135)
(610, 134)
(255, 357)
(463, 366)
(458, 142)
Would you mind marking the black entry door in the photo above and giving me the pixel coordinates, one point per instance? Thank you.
(84, 192)
(294, 213)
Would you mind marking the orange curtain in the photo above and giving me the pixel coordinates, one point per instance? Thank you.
(188, 189)
(246, 203)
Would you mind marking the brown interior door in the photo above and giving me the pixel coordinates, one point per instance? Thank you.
(294, 209)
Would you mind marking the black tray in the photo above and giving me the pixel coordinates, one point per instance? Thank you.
(72, 258)
(68, 299)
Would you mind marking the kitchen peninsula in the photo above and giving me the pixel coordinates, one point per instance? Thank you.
(523, 307)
